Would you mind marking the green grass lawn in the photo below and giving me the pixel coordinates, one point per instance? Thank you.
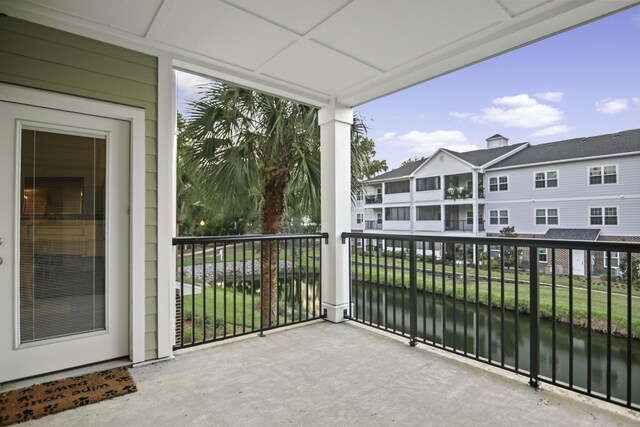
(247, 311)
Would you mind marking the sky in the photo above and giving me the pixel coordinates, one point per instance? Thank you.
(579, 83)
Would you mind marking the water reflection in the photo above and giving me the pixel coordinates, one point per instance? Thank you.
(391, 309)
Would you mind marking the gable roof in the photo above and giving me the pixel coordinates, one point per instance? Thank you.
(483, 156)
(573, 149)
(401, 172)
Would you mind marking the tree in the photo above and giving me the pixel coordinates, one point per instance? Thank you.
(251, 149)
(508, 252)
(363, 164)
(413, 159)
(195, 215)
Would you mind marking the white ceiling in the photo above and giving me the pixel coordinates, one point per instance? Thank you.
(314, 51)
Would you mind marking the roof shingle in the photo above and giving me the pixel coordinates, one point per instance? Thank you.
(573, 149)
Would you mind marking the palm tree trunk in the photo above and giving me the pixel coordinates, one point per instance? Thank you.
(275, 181)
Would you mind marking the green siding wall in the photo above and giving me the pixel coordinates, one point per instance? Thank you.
(44, 58)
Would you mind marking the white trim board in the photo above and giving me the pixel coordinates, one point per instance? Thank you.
(136, 117)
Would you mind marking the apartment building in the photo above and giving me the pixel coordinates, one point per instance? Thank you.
(577, 189)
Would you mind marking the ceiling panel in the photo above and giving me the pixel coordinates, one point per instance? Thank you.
(131, 16)
(382, 34)
(312, 66)
(352, 51)
(295, 15)
(518, 7)
(222, 32)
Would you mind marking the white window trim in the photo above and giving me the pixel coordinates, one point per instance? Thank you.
(602, 166)
(546, 172)
(546, 217)
(499, 210)
(603, 216)
(498, 190)
(546, 255)
(604, 258)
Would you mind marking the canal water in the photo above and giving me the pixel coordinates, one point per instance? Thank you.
(392, 311)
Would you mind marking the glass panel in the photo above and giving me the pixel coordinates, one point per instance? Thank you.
(62, 235)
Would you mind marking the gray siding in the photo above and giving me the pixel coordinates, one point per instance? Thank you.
(573, 196)
(44, 58)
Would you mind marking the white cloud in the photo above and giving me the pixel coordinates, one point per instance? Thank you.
(612, 106)
(552, 130)
(635, 100)
(522, 100)
(551, 96)
(426, 143)
(188, 84)
(520, 111)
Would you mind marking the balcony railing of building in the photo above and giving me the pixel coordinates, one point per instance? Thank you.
(461, 225)
(373, 225)
(490, 299)
(220, 289)
(370, 200)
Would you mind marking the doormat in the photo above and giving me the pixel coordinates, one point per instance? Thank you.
(56, 396)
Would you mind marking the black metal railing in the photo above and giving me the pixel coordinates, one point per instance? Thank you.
(233, 285)
(494, 300)
(461, 225)
(369, 200)
(373, 225)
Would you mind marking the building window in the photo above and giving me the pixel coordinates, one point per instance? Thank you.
(397, 214)
(499, 183)
(428, 213)
(546, 216)
(499, 217)
(396, 187)
(547, 179)
(603, 175)
(615, 259)
(428, 184)
(359, 218)
(542, 254)
(469, 217)
(603, 216)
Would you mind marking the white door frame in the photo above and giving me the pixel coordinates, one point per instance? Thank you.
(136, 117)
(578, 258)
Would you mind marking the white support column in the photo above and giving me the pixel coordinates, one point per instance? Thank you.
(474, 174)
(166, 205)
(412, 205)
(335, 155)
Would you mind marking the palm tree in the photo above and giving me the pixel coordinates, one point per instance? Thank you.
(252, 148)
(248, 148)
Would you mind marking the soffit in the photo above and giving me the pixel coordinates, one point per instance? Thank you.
(350, 51)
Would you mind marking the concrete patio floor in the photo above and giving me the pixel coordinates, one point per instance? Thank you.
(339, 375)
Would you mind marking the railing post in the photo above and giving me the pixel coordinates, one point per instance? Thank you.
(413, 295)
(534, 324)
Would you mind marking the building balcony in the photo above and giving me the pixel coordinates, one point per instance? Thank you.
(461, 225)
(324, 373)
(373, 225)
(327, 374)
(372, 200)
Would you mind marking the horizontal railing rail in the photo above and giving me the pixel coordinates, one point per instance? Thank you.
(561, 312)
(227, 286)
